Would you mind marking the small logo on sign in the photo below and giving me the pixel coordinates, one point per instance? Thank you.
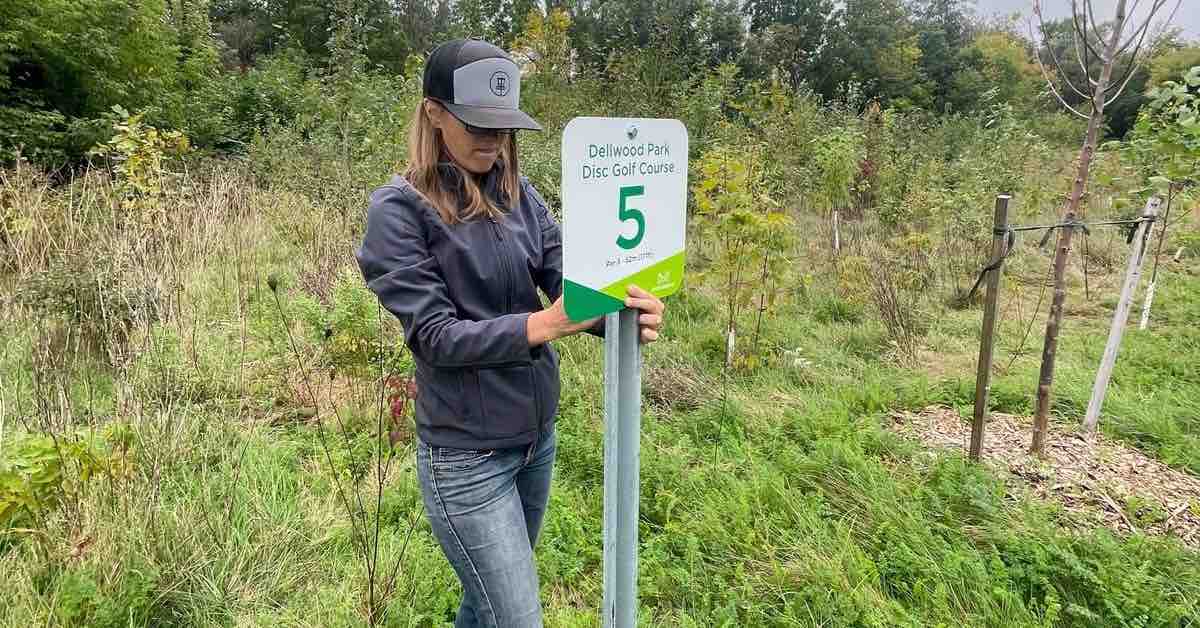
(664, 281)
(500, 83)
(631, 131)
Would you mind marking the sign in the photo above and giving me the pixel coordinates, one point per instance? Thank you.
(624, 195)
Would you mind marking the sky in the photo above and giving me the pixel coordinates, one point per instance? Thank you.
(1187, 17)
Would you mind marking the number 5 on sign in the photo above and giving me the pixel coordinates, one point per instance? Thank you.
(626, 213)
(641, 164)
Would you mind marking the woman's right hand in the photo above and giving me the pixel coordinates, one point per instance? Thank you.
(552, 323)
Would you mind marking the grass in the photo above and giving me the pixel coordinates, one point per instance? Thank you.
(770, 497)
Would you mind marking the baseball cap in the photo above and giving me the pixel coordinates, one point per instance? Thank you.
(478, 83)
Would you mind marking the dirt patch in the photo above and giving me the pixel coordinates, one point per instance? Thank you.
(1095, 479)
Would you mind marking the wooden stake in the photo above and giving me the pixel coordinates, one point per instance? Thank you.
(983, 375)
(1162, 236)
(1132, 274)
(837, 239)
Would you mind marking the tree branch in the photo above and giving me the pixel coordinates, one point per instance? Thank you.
(1134, 62)
(1080, 34)
(1054, 58)
(1081, 49)
(1091, 15)
(1046, 75)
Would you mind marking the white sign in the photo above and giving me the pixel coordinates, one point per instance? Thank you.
(624, 195)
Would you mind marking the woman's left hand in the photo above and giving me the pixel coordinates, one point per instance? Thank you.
(651, 316)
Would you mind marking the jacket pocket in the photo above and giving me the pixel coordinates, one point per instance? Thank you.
(440, 402)
(508, 400)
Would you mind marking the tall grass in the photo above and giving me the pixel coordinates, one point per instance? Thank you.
(206, 433)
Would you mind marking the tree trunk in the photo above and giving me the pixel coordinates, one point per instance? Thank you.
(1054, 322)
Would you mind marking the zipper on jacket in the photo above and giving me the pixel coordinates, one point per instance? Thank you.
(505, 270)
(502, 252)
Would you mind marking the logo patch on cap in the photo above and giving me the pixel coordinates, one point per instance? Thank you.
(500, 83)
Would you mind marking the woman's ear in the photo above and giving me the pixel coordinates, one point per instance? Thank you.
(433, 112)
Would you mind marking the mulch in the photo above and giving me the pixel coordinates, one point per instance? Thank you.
(1095, 479)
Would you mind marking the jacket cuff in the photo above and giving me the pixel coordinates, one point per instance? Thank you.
(514, 328)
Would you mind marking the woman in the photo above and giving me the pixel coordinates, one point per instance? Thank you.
(457, 248)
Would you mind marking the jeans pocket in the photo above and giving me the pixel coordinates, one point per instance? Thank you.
(455, 459)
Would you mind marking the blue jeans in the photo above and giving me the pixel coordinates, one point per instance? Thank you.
(486, 508)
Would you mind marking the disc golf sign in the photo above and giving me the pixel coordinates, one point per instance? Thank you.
(624, 195)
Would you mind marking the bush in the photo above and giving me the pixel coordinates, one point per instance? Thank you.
(834, 309)
(39, 472)
(358, 335)
(86, 597)
(97, 296)
(900, 274)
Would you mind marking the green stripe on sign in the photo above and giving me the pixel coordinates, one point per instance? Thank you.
(583, 302)
(661, 279)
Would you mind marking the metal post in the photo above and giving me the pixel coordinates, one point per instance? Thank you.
(1132, 274)
(622, 429)
(983, 375)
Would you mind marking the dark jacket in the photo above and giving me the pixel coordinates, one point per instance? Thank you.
(463, 293)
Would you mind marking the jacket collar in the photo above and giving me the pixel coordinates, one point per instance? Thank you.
(490, 182)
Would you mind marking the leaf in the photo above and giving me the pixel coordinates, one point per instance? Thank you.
(1160, 182)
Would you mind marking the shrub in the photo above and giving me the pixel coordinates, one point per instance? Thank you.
(88, 598)
(834, 309)
(39, 472)
(97, 295)
(359, 336)
(900, 274)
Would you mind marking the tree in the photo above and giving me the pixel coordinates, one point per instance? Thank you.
(1100, 90)
(943, 33)
(789, 38)
(64, 64)
(999, 61)
(876, 46)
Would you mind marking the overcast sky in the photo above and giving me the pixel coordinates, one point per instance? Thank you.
(1187, 17)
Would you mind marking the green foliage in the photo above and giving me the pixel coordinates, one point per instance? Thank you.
(752, 238)
(1172, 64)
(833, 309)
(139, 152)
(91, 597)
(359, 337)
(39, 472)
(1166, 139)
(65, 64)
(97, 298)
(836, 156)
(348, 134)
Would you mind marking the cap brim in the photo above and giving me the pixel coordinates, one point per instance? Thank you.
(492, 117)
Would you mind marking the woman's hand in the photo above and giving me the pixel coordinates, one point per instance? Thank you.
(552, 323)
(651, 316)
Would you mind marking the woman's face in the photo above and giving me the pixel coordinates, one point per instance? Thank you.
(476, 153)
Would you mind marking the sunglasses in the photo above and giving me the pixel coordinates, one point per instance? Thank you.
(476, 130)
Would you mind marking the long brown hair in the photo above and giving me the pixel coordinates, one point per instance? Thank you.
(425, 151)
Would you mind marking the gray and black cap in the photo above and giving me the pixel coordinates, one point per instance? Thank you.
(478, 83)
